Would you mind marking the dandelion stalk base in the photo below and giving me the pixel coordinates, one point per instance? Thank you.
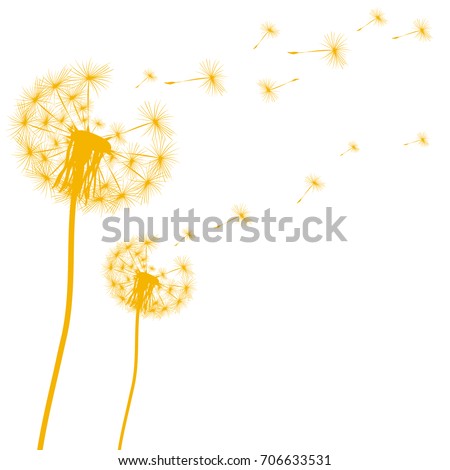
(65, 330)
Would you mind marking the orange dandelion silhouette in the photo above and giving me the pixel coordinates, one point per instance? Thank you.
(211, 78)
(352, 147)
(421, 31)
(314, 183)
(58, 148)
(335, 50)
(269, 87)
(378, 19)
(422, 140)
(146, 292)
(269, 31)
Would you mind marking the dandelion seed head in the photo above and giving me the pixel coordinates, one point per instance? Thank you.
(422, 30)
(136, 284)
(335, 45)
(267, 90)
(315, 182)
(213, 77)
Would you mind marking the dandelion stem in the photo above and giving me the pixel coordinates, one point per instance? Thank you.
(65, 330)
(371, 21)
(264, 35)
(306, 52)
(413, 142)
(290, 81)
(133, 382)
(137, 86)
(304, 194)
(184, 81)
(343, 153)
(403, 35)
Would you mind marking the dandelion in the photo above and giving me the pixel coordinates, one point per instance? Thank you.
(61, 149)
(352, 147)
(422, 140)
(269, 31)
(268, 88)
(421, 31)
(314, 183)
(378, 19)
(149, 76)
(335, 50)
(146, 292)
(211, 78)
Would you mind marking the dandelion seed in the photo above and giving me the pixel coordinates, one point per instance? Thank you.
(211, 78)
(335, 50)
(269, 87)
(422, 140)
(149, 76)
(240, 212)
(421, 31)
(314, 183)
(269, 31)
(187, 235)
(378, 19)
(352, 147)
(137, 287)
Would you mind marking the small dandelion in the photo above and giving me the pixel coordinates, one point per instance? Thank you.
(268, 88)
(146, 292)
(149, 76)
(352, 147)
(335, 50)
(314, 183)
(422, 140)
(211, 76)
(378, 19)
(421, 31)
(269, 31)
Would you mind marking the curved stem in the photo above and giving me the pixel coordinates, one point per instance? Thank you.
(133, 381)
(65, 330)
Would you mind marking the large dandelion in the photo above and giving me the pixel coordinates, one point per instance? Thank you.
(61, 148)
(145, 291)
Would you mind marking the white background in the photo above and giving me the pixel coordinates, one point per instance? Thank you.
(332, 348)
